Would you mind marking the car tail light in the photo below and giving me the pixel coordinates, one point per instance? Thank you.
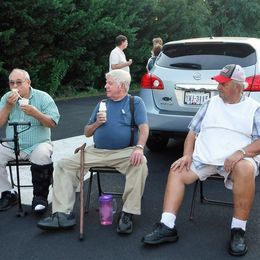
(151, 81)
(253, 83)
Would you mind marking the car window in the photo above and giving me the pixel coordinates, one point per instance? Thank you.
(206, 56)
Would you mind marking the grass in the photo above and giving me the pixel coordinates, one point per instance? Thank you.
(90, 93)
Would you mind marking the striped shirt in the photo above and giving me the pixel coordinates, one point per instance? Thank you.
(37, 133)
(195, 126)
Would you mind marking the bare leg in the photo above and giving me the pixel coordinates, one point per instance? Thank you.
(243, 189)
(243, 195)
(175, 189)
(173, 197)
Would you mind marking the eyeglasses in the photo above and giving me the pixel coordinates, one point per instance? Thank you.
(17, 82)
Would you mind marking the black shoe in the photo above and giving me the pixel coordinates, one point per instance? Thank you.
(8, 200)
(125, 223)
(237, 244)
(58, 220)
(161, 234)
(39, 204)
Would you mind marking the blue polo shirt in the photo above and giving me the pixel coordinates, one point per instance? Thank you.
(116, 132)
(37, 133)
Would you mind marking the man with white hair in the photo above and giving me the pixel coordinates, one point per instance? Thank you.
(27, 104)
(112, 147)
(224, 138)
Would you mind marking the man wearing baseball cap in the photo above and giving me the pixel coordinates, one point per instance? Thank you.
(224, 138)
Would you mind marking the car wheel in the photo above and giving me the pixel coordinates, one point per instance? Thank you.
(157, 143)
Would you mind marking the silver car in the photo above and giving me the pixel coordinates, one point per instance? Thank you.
(180, 81)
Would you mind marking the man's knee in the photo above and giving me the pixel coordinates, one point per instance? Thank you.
(182, 176)
(41, 155)
(243, 171)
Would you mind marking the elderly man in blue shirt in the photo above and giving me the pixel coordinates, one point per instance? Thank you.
(112, 147)
(24, 103)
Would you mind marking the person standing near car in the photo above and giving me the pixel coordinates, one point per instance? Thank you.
(157, 40)
(224, 138)
(117, 58)
(155, 52)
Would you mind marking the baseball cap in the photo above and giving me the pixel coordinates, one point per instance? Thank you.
(229, 72)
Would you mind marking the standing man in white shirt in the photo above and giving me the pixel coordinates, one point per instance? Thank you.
(117, 58)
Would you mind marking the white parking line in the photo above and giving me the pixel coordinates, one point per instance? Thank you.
(62, 148)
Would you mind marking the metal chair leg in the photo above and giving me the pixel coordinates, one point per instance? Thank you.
(89, 192)
(193, 200)
(99, 184)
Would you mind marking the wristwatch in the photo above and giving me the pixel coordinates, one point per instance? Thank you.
(139, 146)
(243, 151)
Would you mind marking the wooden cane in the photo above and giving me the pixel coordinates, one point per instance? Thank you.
(81, 227)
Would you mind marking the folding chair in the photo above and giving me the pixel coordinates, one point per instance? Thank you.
(203, 198)
(11, 164)
(98, 171)
(15, 162)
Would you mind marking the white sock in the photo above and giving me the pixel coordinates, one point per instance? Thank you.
(12, 191)
(237, 223)
(168, 219)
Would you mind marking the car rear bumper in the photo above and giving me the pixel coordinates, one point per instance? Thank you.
(168, 122)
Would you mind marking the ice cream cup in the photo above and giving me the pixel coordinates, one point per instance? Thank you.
(23, 101)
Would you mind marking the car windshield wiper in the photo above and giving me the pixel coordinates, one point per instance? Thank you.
(187, 65)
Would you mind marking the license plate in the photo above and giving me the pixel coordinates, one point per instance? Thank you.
(195, 97)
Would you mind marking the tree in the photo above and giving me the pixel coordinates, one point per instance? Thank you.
(234, 17)
(65, 44)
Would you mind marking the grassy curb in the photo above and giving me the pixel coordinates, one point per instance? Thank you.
(133, 89)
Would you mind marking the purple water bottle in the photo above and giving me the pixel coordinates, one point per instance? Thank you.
(107, 207)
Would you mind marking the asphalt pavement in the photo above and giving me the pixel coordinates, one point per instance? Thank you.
(206, 237)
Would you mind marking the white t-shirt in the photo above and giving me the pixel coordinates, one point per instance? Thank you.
(117, 56)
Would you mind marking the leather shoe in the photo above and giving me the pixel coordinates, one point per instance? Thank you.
(8, 200)
(125, 223)
(237, 245)
(161, 234)
(57, 221)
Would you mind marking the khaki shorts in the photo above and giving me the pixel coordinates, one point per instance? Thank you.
(205, 171)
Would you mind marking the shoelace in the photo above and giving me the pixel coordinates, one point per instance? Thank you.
(158, 225)
(126, 218)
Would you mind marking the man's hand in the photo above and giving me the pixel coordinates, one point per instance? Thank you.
(130, 61)
(231, 161)
(29, 110)
(137, 156)
(12, 99)
(101, 118)
(184, 161)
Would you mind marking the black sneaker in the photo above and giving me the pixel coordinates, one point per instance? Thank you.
(57, 221)
(125, 223)
(8, 200)
(161, 234)
(237, 244)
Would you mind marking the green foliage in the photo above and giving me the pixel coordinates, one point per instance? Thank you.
(234, 17)
(59, 69)
(65, 44)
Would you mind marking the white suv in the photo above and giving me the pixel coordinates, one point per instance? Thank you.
(180, 81)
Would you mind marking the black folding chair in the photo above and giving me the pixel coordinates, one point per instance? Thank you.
(203, 198)
(98, 171)
(11, 164)
(15, 140)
